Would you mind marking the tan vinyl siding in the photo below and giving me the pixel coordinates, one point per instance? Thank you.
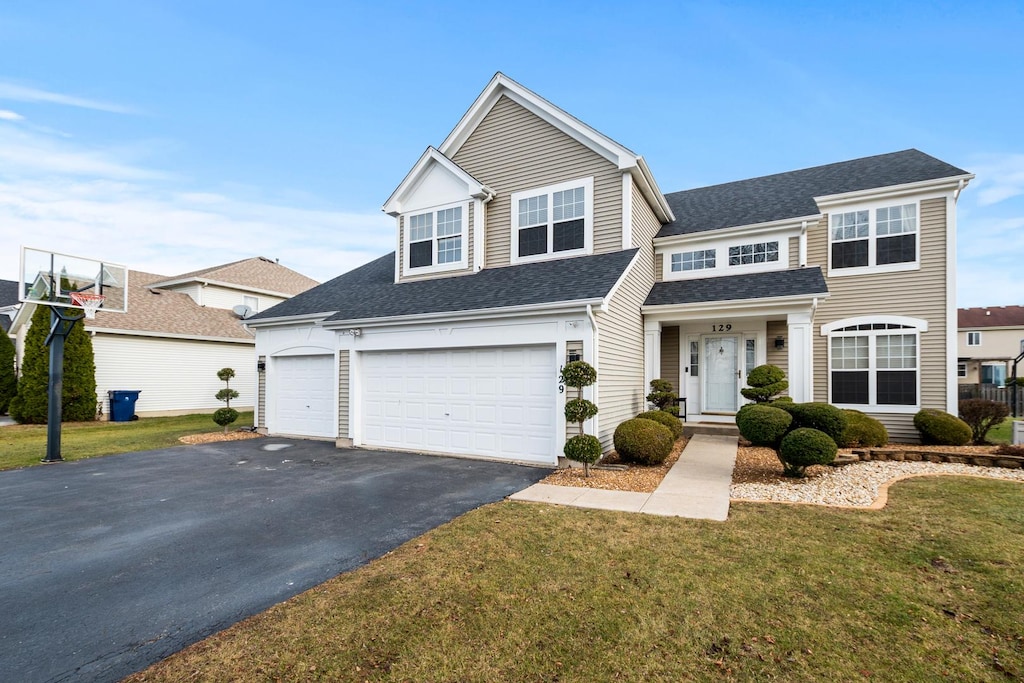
(794, 252)
(620, 376)
(670, 356)
(343, 393)
(467, 241)
(774, 356)
(572, 348)
(659, 268)
(514, 150)
(918, 293)
(261, 396)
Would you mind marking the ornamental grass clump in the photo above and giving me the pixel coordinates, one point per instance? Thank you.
(666, 418)
(584, 448)
(644, 442)
(939, 428)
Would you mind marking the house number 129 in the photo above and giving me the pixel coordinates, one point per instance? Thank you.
(722, 328)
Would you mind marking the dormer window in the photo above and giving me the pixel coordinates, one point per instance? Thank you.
(553, 222)
(434, 240)
(881, 238)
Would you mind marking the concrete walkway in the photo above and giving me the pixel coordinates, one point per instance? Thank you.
(697, 486)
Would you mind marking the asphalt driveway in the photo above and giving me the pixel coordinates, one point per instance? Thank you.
(110, 564)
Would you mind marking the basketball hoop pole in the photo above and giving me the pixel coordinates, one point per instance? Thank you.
(60, 328)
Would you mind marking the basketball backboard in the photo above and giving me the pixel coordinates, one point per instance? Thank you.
(50, 278)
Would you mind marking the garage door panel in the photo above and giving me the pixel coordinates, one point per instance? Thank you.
(304, 395)
(478, 401)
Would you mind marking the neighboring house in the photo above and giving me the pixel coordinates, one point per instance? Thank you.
(989, 340)
(527, 239)
(8, 303)
(179, 331)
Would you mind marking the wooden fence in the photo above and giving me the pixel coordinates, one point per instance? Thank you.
(994, 393)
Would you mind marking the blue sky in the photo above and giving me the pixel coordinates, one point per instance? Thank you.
(177, 135)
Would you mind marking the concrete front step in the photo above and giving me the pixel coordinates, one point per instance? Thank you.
(713, 428)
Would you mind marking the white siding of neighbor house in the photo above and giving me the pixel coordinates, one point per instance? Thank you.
(513, 150)
(917, 293)
(620, 377)
(175, 376)
(224, 297)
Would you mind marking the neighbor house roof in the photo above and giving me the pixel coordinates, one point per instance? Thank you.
(996, 316)
(791, 194)
(251, 273)
(168, 312)
(772, 284)
(369, 292)
(8, 293)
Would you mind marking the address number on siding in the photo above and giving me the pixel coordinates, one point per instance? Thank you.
(727, 327)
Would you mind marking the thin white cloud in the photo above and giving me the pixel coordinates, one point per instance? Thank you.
(25, 152)
(8, 115)
(21, 93)
(999, 177)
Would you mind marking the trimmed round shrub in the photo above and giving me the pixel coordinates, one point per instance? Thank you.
(939, 428)
(225, 416)
(666, 418)
(578, 374)
(821, 416)
(579, 410)
(781, 399)
(804, 447)
(764, 382)
(642, 441)
(862, 430)
(584, 448)
(762, 424)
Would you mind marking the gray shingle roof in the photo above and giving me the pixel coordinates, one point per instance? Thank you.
(370, 291)
(791, 194)
(8, 293)
(776, 283)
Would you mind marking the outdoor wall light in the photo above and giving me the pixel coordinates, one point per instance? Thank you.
(261, 366)
(780, 342)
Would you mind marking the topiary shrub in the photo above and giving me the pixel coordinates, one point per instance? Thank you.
(224, 417)
(862, 431)
(585, 448)
(981, 415)
(764, 383)
(226, 394)
(939, 428)
(821, 416)
(662, 397)
(674, 424)
(804, 447)
(762, 424)
(642, 441)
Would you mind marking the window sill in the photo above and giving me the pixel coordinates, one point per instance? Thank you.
(880, 409)
(874, 270)
(430, 270)
(549, 256)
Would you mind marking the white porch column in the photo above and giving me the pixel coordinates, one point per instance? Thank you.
(652, 354)
(801, 357)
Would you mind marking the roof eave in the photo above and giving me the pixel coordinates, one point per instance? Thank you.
(781, 223)
(475, 314)
(948, 183)
(289, 319)
(703, 306)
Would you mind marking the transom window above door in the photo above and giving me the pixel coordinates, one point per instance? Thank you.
(879, 238)
(553, 222)
(434, 240)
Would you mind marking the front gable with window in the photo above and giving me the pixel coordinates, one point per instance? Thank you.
(874, 239)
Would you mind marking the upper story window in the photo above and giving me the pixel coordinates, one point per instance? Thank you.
(761, 252)
(974, 338)
(882, 238)
(553, 222)
(253, 302)
(693, 260)
(434, 240)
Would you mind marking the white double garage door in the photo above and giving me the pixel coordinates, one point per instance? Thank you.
(491, 402)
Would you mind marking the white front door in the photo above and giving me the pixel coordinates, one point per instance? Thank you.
(491, 402)
(721, 374)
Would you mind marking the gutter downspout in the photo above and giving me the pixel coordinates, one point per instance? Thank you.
(958, 190)
(803, 245)
(593, 327)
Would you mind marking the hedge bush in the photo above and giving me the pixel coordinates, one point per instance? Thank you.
(762, 424)
(981, 415)
(804, 447)
(662, 397)
(643, 441)
(579, 410)
(939, 428)
(764, 383)
(862, 431)
(821, 416)
(666, 418)
(585, 448)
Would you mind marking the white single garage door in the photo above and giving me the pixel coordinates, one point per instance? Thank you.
(304, 393)
(493, 402)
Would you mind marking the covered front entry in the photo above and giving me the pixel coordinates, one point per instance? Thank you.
(722, 374)
(492, 402)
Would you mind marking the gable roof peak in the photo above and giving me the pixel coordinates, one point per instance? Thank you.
(476, 189)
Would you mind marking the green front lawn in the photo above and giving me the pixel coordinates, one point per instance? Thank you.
(930, 588)
(1002, 432)
(24, 445)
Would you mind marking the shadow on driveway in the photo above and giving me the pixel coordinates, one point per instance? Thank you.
(111, 564)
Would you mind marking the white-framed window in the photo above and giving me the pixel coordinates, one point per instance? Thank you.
(876, 238)
(253, 302)
(750, 355)
(974, 338)
(694, 358)
(875, 364)
(759, 252)
(435, 239)
(553, 222)
(961, 369)
(692, 260)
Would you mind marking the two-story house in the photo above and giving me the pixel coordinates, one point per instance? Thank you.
(989, 340)
(177, 332)
(527, 239)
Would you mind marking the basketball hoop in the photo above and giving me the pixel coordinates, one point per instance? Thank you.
(89, 302)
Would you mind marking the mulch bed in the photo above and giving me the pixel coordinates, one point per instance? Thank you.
(637, 478)
(214, 437)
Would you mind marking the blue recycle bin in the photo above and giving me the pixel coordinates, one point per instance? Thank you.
(122, 405)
